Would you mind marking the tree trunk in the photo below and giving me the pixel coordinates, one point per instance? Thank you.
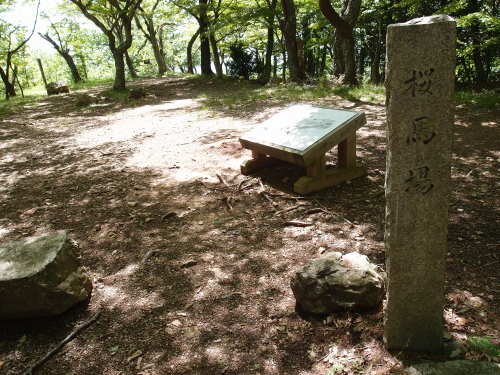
(206, 64)
(160, 60)
(338, 56)
(344, 24)
(189, 52)
(321, 71)
(293, 49)
(348, 46)
(10, 89)
(266, 75)
(120, 81)
(66, 56)
(130, 65)
(42, 72)
(217, 62)
(84, 65)
(362, 55)
(151, 36)
(75, 74)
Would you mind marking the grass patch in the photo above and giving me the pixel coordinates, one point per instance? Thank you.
(16, 103)
(483, 99)
(232, 94)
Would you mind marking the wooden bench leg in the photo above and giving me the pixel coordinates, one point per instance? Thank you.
(318, 177)
(317, 169)
(347, 152)
(258, 161)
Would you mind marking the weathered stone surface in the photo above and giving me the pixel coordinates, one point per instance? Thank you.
(420, 89)
(58, 87)
(455, 368)
(338, 283)
(84, 100)
(41, 277)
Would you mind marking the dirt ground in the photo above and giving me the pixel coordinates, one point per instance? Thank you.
(191, 272)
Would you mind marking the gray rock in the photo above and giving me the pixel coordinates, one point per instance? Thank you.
(41, 277)
(455, 368)
(338, 283)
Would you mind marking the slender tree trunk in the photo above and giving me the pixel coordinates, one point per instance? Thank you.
(84, 65)
(217, 62)
(375, 55)
(64, 52)
(75, 74)
(206, 64)
(338, 55)
(40, 66)
(476, 56)
(266, 75)
(323, 61)
(362, 55)
(348, 46)
(344, 24)
(130, 65)
(189, 52)
(15, 79)
(293, 50)
(10, 89)
(160, 60)
(151, 36)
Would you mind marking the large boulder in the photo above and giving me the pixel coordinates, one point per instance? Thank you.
(338, 282)
(455, 368)
(41, 277)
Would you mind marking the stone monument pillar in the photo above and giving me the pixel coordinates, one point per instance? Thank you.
(420, 113)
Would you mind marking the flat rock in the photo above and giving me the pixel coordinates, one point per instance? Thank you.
(338, 282)
(41, 277)
(455, 368)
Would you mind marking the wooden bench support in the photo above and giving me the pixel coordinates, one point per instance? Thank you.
(258, 161)
(330, 177)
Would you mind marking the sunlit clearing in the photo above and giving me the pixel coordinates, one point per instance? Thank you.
(131, 123)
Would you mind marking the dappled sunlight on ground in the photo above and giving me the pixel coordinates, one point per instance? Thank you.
(191, 261)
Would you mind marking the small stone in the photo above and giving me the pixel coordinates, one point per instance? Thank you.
(337, 282)
(190, 331)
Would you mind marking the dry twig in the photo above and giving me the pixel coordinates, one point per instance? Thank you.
(149, 254)
(298, 223)
(288, 209)
(62, 343)
(221, 179)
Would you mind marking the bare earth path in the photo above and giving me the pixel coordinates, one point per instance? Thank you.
(212, 296)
